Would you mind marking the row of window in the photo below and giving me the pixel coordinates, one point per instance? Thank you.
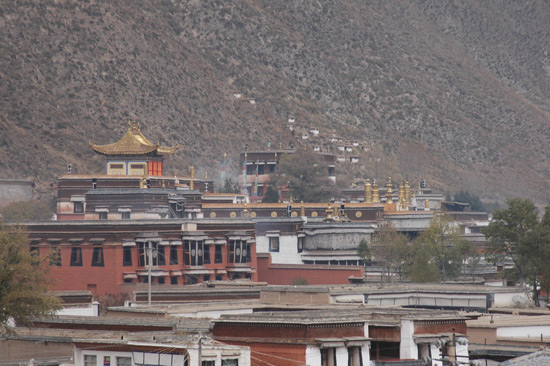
(195, 253)
(91, 360)
(76, 255)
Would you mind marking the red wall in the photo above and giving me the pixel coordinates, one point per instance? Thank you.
(278, 274)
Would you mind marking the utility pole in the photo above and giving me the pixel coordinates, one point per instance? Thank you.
(150, 264)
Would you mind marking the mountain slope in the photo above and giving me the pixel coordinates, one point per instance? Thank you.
(455, 92)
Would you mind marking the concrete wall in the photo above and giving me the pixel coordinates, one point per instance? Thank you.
(22, 350)
(277, 274)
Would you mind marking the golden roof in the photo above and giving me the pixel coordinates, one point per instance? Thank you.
(132, 143)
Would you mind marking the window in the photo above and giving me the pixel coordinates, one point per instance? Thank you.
(161, 254)
(250, 169)
(125, 215)
(206, 278)
(260, 191)
(230, 362)
(103, 215)
(274, 244)
(97, 257)
(219, 277)
(78, 207)
(76, 256)
(208, 363)
(218, 258)
(207, 254)
(90, 360)
(193, 253)
(237, 251)
(271, 168)
(126, 256)
(161, 281)
(173, 254)
(174, 280)
(300, 244)
(55, 255)
(123, 361)
(143, 255)
(248, 254)
(260, 169)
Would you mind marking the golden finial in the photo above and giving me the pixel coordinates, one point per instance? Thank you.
(401, 195)
(302, 209)
(375, 193)
(329, 212)
(205, 176)
(368, 191)
(407, 192)
(291, 199)
(143, 183)
(389, 191)
(245, 209)
(192, 180)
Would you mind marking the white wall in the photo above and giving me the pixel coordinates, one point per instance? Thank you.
(288, 249)
(407, 347)
(531, 331)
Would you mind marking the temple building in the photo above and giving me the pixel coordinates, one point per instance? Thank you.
(134, 154)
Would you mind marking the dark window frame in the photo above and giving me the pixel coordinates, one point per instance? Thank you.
(78, 207)
(274, 244)
(76, 256)
(126, 256)
(98, 259)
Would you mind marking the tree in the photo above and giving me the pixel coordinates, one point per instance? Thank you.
(27, 211)
(363, 251)
(441, 242)
(516, 233)
(391, 249)
(230, 187)
(23, 280)
(305, 173)
(270, 196)
(471, 199)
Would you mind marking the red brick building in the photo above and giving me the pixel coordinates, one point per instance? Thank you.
(109, 256)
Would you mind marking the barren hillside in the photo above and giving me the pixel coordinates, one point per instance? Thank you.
(456, 92)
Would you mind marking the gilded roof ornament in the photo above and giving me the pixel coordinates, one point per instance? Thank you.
(133, 143)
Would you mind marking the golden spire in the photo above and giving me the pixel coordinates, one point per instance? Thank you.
(205, 176)
(291, 199)
(368, 191)
(401, 195)
(302, 209)
(192, 180)
(375, 194)
(329, 212)
(389, 191)
(407, 192)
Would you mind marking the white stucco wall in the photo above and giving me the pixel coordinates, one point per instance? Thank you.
(531, 331)
(168, 359)
(506, 299)
(407, 348)
(313, 356)
(288, 249)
